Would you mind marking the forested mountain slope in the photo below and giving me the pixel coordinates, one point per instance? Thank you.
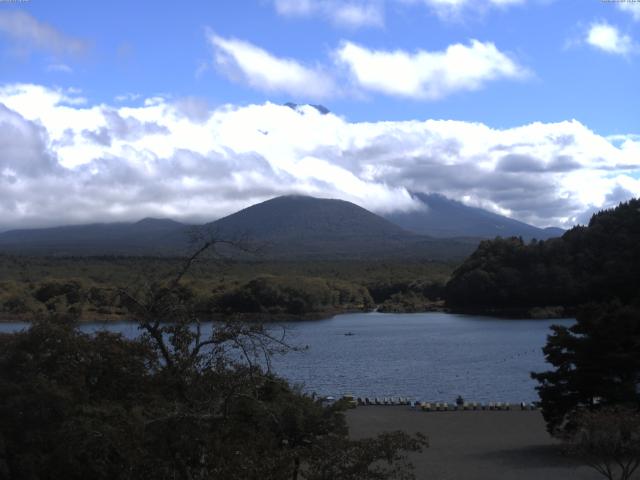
(594, 263)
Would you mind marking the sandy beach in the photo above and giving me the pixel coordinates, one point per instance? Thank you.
(475, 445)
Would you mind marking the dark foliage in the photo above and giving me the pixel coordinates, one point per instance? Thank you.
(594, 263)
(596, 363)
(293, 296)
(172, 404)
(608, 440)
(80, 406)
(89, 287)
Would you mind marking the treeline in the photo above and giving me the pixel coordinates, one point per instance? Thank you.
(587, 264)
(263, 296)
(92, 288)
(293, 296)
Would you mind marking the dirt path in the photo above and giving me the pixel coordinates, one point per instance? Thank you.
(475, 445)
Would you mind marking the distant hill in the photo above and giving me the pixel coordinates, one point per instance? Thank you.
(301, 226)
(446, 218)
(146, 237)
(289, 227)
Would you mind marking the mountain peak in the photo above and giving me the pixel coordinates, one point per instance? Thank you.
(306, 215)
(297, 107)
(150, 221)
(443, 217)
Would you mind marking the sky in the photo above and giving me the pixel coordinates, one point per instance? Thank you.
(116, 111)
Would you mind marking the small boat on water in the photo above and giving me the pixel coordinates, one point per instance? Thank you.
(349, 334)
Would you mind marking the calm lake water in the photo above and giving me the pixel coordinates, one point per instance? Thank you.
(425, 356)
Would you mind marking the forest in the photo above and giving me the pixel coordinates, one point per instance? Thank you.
(593, 263)
(90, 288)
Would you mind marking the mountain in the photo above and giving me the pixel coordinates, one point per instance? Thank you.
(306, 227)
(442, 217)
(297, 216)
(289, 227)
(296, 106)
(147, 236)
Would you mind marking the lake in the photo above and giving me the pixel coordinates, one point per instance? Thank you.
(425, 356)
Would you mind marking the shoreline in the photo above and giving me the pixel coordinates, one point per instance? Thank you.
(215, 317)
(555, 312)
(506, 314)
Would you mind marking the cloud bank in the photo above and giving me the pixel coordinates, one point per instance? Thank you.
(62, 161)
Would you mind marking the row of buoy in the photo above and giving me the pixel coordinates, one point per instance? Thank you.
(437, 406)
(384, 401)
(445, 407)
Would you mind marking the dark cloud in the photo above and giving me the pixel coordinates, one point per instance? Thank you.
(563, 140)
(67, 139)
(100, 136)
(130, 128)
(515, 162)
(563, 163)
(194, 108)
(617, 195)
(23, 146)
(518, 163)
(501, 147)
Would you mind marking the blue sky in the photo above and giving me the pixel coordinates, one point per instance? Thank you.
(512, 66)
(153, 48)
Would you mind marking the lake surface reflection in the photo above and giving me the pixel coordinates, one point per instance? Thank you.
(428, 356)
(425, 356)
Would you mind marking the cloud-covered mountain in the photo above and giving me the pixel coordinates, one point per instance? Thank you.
(445, 218)
(63, 161)
(288, 227)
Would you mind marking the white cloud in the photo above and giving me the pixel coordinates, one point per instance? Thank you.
(29, 33)
(608, 38)
(127, 97)
(468, 3)
(261, 70)
(633, 8)
(59, 67)
(370, 13)
(424, 74)
(352, 14)
(454, 9)
(65, 162)
(421, 74)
